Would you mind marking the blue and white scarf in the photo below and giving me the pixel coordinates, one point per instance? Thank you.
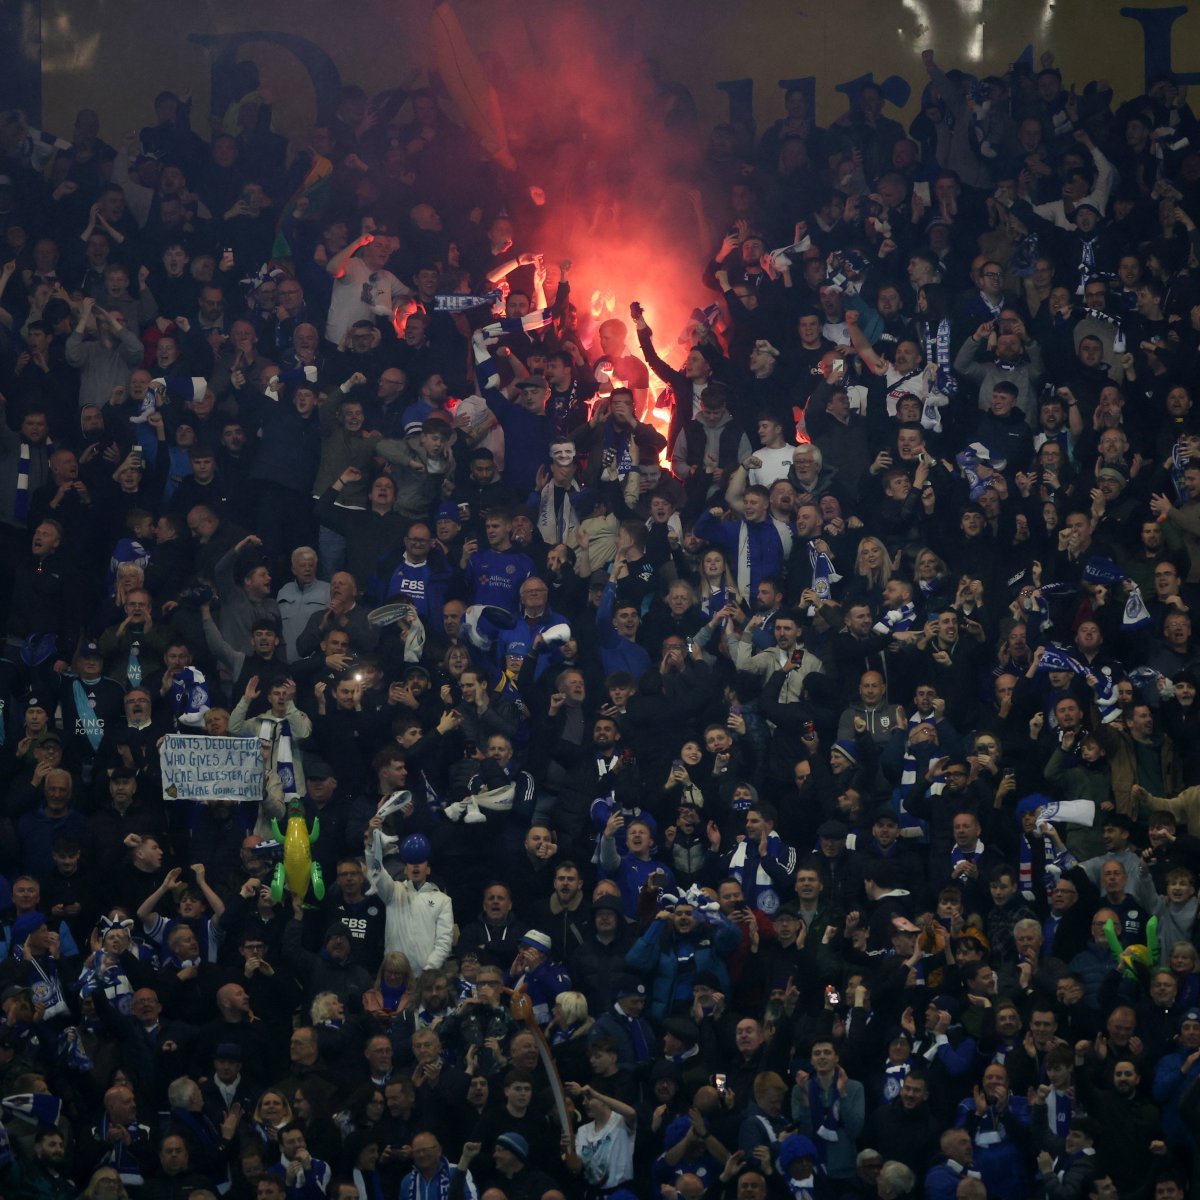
(908, 775)
(823, 573)
(113, 981)
(120, 1157)
(760, 891)
(284, 767)
(190, 698)
(897, 620)
(894, 1075)
(937, 351)
(1137, 615)
(1059, 660)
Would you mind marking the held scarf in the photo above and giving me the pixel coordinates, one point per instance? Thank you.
(554, 523)
(908, 775)
(1059, 660)
(459, 303)
(897, 620)
(487, 371)
(937, 351)
(21, 501)
(894, 1074)
(111, 980)
(824, 575)
(760, 891)
(619, 444)
(189, 697)
(120, 1157)
(284, 767)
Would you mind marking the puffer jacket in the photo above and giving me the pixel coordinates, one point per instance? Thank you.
(714, 941)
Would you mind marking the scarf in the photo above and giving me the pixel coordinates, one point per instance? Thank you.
(189, 697)
(1059, 660)
(826, 1117)
(45, 985)
(391, 996)
(120, 1157)
(823, 573)
(1087, 262)
(637, 1035)
(894, 1074)
(461, 302)
(207, 1137)
(897, 620)
(969, 461)
(744, 565)
(133, 668)
(760, 892)
(1026, 864)
(414, 1187)
(21, 502)
(1059, 1110)
(937, 351)
(908, 775)
(556, 522)
(284, 767)
(1003, 364)
(372, 1190)
(487, 370)
(1179, 460)
(618, 443)
(93, 727)
(112, 980)
(957, 855)
(802, 1189)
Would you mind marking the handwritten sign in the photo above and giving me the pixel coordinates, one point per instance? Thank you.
(211, 768)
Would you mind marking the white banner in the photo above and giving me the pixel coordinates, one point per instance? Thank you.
(211, 768)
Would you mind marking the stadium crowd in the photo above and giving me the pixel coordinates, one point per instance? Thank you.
(802, 713)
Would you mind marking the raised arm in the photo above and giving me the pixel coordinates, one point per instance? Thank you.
(336, 266)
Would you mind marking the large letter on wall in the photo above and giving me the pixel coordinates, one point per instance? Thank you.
(1156, 34)
(326, 79)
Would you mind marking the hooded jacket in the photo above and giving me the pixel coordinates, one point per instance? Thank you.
(420, 921)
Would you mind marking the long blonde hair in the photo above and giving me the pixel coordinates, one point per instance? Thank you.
(884, 573)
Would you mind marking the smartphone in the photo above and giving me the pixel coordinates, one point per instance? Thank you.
(677, 765)
(832, 996)
(921, 189)
(719, 1083)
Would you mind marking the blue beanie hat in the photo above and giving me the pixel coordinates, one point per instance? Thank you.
(848, 748)
(26, 924)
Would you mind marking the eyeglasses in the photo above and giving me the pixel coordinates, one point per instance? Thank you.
(991, 275)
